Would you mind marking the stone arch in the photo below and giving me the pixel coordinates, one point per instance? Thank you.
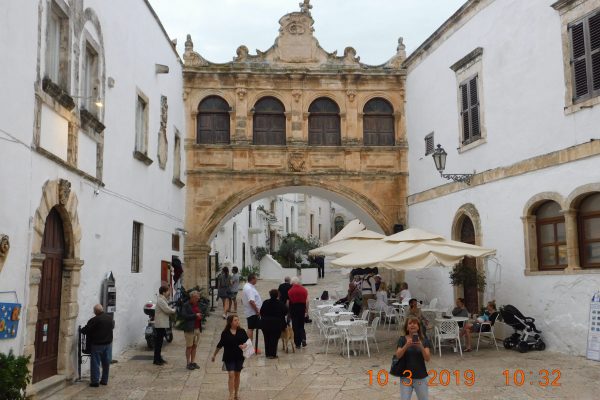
(469, 211)
(213, 93)
(375, 95)
(56, 194)
(335, 97)
(228, 206)
(269, 93)
(576, 196)
(540, 198)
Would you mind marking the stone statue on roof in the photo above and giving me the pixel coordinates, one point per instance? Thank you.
(305, 7)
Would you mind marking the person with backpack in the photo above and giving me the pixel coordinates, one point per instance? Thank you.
(224, 289)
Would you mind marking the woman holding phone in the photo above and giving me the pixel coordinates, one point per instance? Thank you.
(413, 350)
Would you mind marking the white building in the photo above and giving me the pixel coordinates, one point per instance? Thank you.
(88, 190)
(265, 222)
(511, 88)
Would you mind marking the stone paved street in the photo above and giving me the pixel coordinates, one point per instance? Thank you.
(310, 374)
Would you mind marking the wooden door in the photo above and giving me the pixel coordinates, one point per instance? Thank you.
(324, 130)
(165, 274)
(48, 323)
(269, 129)
(471, 293)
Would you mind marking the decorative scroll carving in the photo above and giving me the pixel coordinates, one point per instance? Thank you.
(190, 57)
(4, 248)
(351, 95)
(241, 93)
(64, 191)
(162, 133)
(397, 60)
(297, 162)
(296, 94)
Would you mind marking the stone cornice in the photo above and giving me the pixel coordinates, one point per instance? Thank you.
(560, 5)
(559, 157)
(472, 56)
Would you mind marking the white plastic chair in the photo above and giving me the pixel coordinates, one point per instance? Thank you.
(391, 313)
(357, 333)
(365, 315)
(433, 303)
(372, 331)
(489, 334)
(345, 317)
(332, 333)
(448, 330)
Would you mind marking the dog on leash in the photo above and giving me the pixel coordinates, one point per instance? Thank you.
(287, 338)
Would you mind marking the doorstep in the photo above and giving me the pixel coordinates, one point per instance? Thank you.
(47, 387)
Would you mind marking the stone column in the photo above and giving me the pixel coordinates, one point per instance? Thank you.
(572, 237)
(195, 271)
(529, 231)
(71, 278)
(35, 276)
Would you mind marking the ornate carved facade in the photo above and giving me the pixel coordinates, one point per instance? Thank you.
(293, 115)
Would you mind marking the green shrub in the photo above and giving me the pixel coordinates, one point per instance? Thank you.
(255, 269)
(14, 376)
(260, 252)
(463, 275)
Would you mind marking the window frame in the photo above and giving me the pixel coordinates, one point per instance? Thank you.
(554, 221)
(429, 139)
(141, 123)
(212, 136)
(324, 116)
(279, 117)
(136, 247)
(587, 56)
(378, 117)
(58, 16)
(469, 110)
(582, 241)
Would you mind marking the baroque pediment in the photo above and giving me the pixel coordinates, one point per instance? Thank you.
(295, 48)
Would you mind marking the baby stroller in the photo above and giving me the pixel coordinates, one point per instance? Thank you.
(526, 335)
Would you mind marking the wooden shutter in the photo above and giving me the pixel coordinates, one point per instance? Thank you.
(594, 29)
(585, 57)
(578, 61)
(470, 110)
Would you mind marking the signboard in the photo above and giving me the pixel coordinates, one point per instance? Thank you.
(593, 343)
(10, 314)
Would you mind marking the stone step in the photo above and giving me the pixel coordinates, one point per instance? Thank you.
(43, 389)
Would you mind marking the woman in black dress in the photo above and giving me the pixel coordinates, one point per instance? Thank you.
(233, 339)
(272, 315)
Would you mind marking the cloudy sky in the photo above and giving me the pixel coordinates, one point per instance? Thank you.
(372, 27)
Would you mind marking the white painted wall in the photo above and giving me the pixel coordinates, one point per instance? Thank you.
(132, 190)
(523, 92)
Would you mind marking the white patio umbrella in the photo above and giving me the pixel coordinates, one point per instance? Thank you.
(412, 249)
(350, 229)
(355, 242)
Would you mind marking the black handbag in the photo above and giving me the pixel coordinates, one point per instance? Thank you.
(398, 364)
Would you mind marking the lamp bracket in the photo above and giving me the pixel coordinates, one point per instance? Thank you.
(466, 178)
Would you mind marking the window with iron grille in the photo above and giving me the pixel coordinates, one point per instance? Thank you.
(429, 144)
(584, 38)
(136, 247)
(470, 121)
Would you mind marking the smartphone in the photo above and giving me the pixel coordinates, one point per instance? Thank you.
(415, 338)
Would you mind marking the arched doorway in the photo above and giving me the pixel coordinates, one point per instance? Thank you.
(471, 292)
(49, 299)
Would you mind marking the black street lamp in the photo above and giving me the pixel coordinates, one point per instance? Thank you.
(439, 158)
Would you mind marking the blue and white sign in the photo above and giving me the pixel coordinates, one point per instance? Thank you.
(593, 343)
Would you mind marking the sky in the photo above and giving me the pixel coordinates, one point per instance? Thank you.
(372, 27)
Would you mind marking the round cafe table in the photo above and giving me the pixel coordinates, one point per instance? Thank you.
(325, 305)
(333, 314)
(346, 324)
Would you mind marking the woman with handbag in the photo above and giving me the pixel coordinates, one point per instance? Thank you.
(233, 339)
(412, 352)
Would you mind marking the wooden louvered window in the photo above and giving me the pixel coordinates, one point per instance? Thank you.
(551, 237)
(469, 97)
(324, 123)
(585, 57)
(269, 122)
(378, 123)
(429, 144)
(589, 231)
(213, 121)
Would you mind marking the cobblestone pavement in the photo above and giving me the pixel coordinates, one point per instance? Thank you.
(310, 374)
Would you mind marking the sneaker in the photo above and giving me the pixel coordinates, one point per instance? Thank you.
(94, 384)
(190, 367)
(303, 343)
(158, 363)
(196, 366)
(162, 360)
(104, 383)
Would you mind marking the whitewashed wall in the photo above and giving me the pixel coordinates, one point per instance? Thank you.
(132, 190)
(523, 98)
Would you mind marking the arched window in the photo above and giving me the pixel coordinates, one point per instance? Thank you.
(589, 232)
(324, 123)
(551, 237)
(269, 122)
(338, 223)
(213, 121)
(378, 123)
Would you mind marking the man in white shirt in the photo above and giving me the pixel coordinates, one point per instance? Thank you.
(404, 293)
(252, 303)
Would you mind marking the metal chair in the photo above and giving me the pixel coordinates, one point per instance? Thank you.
(391, 313)
(489, 334)
(372, 331)
(357, 333)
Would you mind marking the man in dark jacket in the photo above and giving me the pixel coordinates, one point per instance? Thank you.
(191, 328)
(99, 331)
(283, 290)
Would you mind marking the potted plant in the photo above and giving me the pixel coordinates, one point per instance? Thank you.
(14, 376)
(463, 275)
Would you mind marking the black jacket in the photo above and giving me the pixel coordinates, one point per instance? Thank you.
(283, 292)
(99, 330)
(273, 314)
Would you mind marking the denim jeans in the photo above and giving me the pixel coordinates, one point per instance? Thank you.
(101, 354)
(418, 385)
